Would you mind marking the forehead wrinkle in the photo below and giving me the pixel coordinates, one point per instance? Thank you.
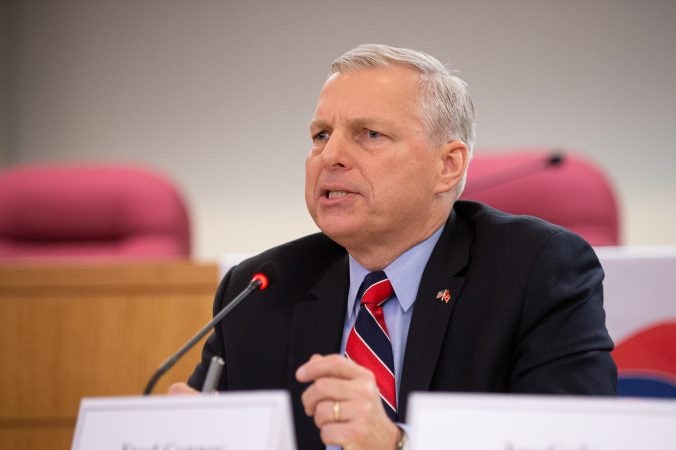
(355, 123)
(369, 122)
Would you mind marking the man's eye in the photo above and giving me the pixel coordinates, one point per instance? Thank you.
(321, 136)
(374, 134)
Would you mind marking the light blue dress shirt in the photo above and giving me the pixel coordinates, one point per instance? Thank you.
(404, 274)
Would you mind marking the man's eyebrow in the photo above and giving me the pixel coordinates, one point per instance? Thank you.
(319, 124)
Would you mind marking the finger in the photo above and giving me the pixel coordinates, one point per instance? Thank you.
(361, 434)
(334, 366)
(301, 369)
(327, 389)
(334, 433)
(332, 412)
(181, 389)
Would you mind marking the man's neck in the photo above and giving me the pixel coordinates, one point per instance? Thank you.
(377, 257)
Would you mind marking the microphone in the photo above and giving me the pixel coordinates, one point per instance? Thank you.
(515, 173)
(267, 273)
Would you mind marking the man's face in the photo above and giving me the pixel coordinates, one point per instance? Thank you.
(372, 178)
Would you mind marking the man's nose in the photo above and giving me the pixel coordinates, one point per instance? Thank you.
(337, 151)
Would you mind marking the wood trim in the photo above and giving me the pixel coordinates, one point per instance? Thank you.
(73, 331)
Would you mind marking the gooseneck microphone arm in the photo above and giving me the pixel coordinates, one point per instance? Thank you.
(260, 281)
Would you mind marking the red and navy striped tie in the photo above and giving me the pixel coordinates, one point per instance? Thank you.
(368, 343)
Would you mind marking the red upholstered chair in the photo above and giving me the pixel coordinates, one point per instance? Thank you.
(551, 184)
(103, 212)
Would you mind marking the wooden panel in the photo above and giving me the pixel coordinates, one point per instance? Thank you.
(74, 331)
(35, 436)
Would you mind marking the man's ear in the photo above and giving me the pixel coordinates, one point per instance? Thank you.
(453, 165)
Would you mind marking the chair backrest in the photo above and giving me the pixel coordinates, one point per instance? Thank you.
(552, 184)
(88, 211)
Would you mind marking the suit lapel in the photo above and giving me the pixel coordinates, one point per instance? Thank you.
(431, 315)
(317, 325)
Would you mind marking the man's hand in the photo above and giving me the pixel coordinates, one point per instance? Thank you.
(181, 389)
(359, 421)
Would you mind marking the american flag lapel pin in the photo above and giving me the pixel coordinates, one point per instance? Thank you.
(444, 296)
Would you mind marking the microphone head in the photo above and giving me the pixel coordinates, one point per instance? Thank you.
(556, 158)
(266, 274)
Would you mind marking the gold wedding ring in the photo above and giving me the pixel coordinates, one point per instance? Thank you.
(336, 411)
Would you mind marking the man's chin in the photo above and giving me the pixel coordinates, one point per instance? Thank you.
(343, 234)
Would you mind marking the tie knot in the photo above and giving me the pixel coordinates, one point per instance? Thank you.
(376, 288)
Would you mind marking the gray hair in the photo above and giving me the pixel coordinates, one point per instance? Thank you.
(445, 106)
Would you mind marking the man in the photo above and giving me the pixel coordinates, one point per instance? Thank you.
(477, 300)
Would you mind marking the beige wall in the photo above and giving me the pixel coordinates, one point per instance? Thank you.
(5, 157)
(218, 94)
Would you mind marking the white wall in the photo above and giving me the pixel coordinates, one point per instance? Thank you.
(218, 94)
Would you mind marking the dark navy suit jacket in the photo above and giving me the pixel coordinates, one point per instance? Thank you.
(525, 315)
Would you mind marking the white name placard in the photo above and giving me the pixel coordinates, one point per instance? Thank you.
(259, 420)
(518, 422)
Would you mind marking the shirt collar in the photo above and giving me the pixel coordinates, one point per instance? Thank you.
(404, 273)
